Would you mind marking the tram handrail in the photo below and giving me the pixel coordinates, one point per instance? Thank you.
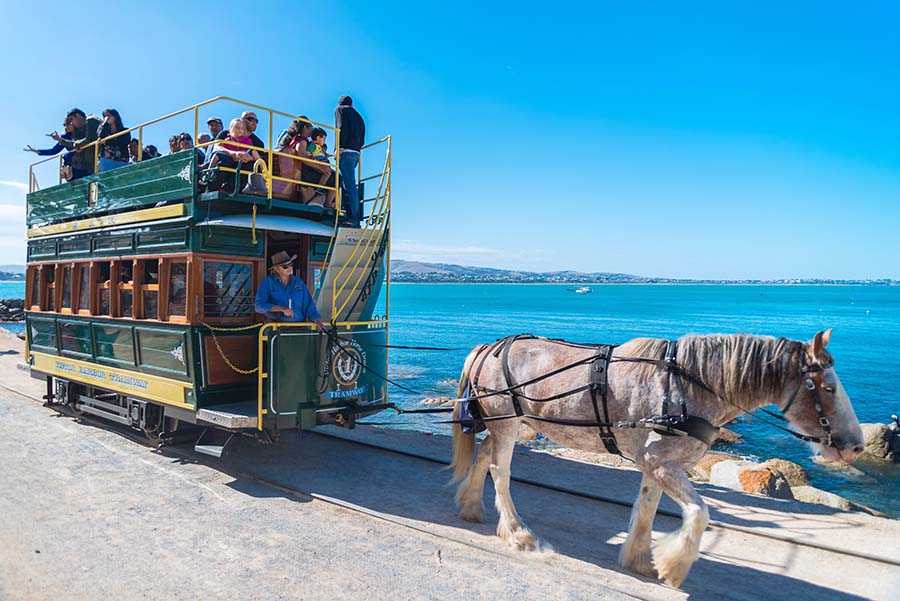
(371, 234)
(269, 150)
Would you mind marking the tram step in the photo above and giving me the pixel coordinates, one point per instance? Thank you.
(231, 415)
(215, 443)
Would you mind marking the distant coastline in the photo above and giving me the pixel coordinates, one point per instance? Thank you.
(415, 272)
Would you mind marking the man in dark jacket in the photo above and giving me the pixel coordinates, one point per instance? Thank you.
(353, 136)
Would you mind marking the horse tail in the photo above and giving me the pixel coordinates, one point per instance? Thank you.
(463, 444)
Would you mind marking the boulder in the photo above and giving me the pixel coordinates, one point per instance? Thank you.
(751, 477)
(727, 436)
(881, 442)
(810, 494)
(793, 473)
(438, 400)
(702, 469)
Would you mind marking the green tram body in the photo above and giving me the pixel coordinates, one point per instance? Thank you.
(179, 343)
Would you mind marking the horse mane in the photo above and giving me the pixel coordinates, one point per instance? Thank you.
(738, 367)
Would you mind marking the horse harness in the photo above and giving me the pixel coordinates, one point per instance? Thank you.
(806, 379)
(598, 385)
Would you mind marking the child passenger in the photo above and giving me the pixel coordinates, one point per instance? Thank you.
(318, 151)
(237, 132)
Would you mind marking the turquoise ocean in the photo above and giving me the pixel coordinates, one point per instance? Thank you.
(865, 344)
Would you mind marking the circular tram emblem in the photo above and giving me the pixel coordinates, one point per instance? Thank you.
(348, 362)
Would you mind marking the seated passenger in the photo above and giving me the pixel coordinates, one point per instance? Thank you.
(207, 150)
(114, 152)
(133, 148)
(150, 152)
(85, 130)
(236, 156)
(286, 137)
(186, 141)
(313, 173)
(282, 296)
(234, 153)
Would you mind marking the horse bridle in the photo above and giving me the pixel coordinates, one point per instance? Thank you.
(806, 372)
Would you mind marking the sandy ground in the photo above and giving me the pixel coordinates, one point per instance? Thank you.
(86, 513)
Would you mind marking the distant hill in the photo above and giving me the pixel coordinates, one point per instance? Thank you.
(13, 269)
(416, 271)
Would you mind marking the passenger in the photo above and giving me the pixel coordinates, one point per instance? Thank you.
(318, 152)
(114, 152)
(174, 145)
(215, 126)
(66, 170)
(207, 150)
(353, 136)
(287, 136)
(282, 296)
(150, 152)
(186, 141)
(312, 173)
(232, 155)
(85, 130)
(133, 148)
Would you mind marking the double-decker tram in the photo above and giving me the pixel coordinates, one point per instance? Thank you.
(141, 283)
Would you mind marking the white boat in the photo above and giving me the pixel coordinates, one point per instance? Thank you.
(583, 290)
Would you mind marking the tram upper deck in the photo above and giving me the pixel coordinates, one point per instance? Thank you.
(140, 283)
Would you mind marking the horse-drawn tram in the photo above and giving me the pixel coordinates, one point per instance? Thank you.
(141, 283)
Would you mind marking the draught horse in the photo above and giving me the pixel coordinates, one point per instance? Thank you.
(721, 377)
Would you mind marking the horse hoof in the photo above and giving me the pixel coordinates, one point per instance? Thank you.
(670, 562)
(474, 515)
(641, 564)
(521, 539)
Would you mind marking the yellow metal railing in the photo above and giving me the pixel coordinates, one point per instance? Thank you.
(270, 152)
(373, 233)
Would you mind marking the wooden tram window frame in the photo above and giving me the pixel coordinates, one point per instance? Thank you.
(104, 285)
(165, 273)
(32, 281)
(93, 300)
(61, 307)
(257, 266)
(48, 289)
(120, 286)
(138, 274)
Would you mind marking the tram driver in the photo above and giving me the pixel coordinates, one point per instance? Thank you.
(282, 296)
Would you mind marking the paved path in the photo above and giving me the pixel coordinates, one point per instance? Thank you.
(86, 513)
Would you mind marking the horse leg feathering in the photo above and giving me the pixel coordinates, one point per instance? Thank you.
(510, 527)
(636, 554)
(674, 555)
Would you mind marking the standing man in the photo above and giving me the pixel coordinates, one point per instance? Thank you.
(282, 296)
(353, 136)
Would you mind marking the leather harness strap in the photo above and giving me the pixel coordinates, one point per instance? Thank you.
(599, 383)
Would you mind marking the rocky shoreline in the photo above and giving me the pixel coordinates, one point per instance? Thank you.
(12, 310)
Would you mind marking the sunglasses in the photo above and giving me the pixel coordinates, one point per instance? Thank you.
(251, 119)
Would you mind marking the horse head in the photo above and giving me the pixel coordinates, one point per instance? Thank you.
(818, 406)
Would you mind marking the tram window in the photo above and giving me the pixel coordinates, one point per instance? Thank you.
(34, 301)
(66, 301)
(126, 289)
(50, 286)
(315, 276)
(84, 288)
(149, 288)
(103, 288)
(177, 288)
(226, 290)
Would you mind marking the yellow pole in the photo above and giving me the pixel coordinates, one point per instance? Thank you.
(196, 123)
(269, 171)
(140, 144)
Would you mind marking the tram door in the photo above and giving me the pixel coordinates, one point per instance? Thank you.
(292, 244)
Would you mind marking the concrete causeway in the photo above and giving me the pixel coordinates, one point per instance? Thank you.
(88, 514)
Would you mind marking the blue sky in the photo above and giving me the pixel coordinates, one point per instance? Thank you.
(723, 140)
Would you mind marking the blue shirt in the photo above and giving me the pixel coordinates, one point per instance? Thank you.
(294, 296)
